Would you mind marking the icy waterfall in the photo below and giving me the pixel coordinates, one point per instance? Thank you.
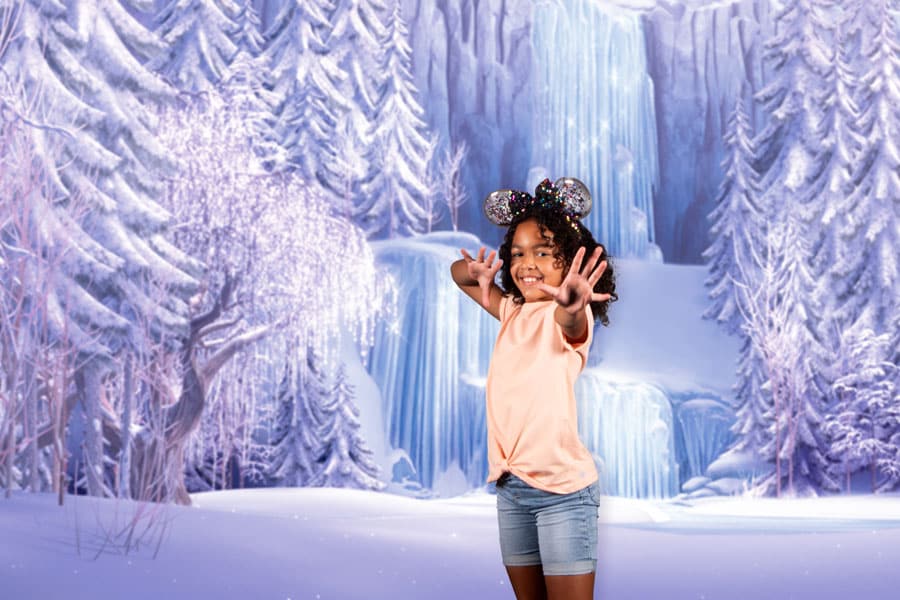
(594, 117)
(629, 428)
(426, 361)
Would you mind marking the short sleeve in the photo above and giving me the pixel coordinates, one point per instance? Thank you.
(506, 307)
(581, 348)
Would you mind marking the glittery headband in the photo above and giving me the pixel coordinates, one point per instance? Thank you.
(568, 195)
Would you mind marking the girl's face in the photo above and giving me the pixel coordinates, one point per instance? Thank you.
(532, 261)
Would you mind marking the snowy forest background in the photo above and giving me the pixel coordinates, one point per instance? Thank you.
(226, 227)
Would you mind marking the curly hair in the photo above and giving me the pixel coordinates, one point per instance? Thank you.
(568, 236)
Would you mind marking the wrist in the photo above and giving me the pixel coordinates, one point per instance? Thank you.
(573, 323)
(459, 270)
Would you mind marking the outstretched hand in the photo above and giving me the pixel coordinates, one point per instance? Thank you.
(483, 270)
(577, 290)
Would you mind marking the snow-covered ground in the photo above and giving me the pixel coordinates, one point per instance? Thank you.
(311, 543)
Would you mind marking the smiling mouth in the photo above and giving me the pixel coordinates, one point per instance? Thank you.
(531, 280)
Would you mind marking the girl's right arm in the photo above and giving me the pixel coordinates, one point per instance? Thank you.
(476, 278)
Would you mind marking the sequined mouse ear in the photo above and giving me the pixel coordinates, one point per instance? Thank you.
(497, 207)
(575, 196)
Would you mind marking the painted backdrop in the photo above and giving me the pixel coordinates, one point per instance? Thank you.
(227, 226)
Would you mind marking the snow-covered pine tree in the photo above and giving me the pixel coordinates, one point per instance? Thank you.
(247, 96)
(296, 446)
(854, 19)
(306, 86)
(99, 146)
(800, 59)
(839, 147)
(753, 399)
(346, 166)
(397, 200)
(865, 276)
(339, 72)
(789, 156)
(828, 185)
(354, 37)
(247, 35)
(346, 461)
(739, 230)
(864, 426)
(246, 87)
(80, 64)
(738, 225)
(198, 43)
(871, 229)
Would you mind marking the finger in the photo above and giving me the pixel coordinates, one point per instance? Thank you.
(481, 254)
(550, 290)
(496, 266)
(597, 274)
(594, 259)
(600, 297)
(490, 258)
(575, 267)
(466, 255)
(567, 296)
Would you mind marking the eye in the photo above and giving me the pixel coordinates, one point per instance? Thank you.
(517, 255)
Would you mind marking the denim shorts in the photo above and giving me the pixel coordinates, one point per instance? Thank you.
(557, 531)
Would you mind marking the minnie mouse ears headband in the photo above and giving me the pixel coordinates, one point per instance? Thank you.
(567, 195)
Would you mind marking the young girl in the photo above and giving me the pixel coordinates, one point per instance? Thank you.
(547, 484)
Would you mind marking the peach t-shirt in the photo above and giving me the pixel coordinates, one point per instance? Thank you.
(532, 420)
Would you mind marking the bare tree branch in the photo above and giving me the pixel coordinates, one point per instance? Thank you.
(221, 357)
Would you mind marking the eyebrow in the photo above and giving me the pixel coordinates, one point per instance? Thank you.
(540, 245)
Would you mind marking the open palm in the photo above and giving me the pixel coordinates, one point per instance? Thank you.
(483, 270)
(577, 290)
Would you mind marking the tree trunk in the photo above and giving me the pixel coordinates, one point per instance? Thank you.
(162, 456)
(62, 408)
(10, 439)
(9, 396)
(181, 420)
(89, 382)
(777, 398)
(30, 430)
(124, 490)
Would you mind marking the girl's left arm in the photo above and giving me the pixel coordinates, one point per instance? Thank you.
(574, 326)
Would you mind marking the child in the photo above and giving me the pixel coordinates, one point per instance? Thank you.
(547, 484)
